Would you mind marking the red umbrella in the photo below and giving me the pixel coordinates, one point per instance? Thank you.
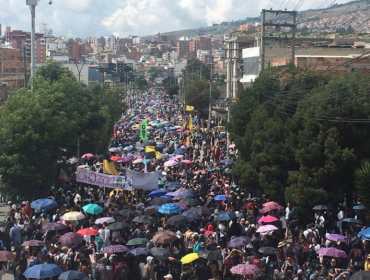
(267, 219)
(115, 158)
(245, 269)
(35, 243)
(70, 239)
(88, 231)
(6, 256)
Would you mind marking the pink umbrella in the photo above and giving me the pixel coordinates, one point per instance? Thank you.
(179, 130)
(182, 206)
(186, 161)
(269, 208)
(266, 228)
(245, 269)
(88, 155)
(170, 163)
(270, 203)
(232, 146)
(267, 219)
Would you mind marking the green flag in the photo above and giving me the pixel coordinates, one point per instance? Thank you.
(144, 130)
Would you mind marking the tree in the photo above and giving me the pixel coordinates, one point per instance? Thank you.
(196, 70)
(172, 90)
(362, 180)
(197, 95)
(51, 71)
(141, 82)
(37, 127)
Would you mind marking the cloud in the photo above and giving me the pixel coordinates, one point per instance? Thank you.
(89, 18)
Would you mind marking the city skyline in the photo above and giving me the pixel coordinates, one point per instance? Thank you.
(92, 18)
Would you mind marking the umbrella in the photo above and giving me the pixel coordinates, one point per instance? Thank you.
(226, 216)
(268, 250)
(137, 241)
(208, 255)
(164, 237)
(169, 209)
(88, 231)
(44, 204)
(186, 161)
(184, 192)
(245, 269)
(226, 161)
(151, 209)
(160, 253)
(266, 228)
(332, 252)
(270, 203)
(53, 226)
(109, 220)
(365, 234)
(361, 275)
(170, 163)
(72, 275)
(359, 207)
(267, 219)
(73, 216)
(191, 215)
(320, 207)
(118, 225)
(139, 251)
(88, 155)
(160, 201)
(221, 197)
(128, 212)
(269, 208)
(189, 201)
(92, 208)
(157, 193)
(142, 219)
(201, 210)
(189, 258)
(180, 151)
(115, 158)
(232, 146)
(336, 237)
(177, 220)
(34, 243)
(111, 249)
(40, 271)
(182, 206)
(70, 239)
(352, 220)
(6, 256)
(126, 159)
(138, 160)
(239, 242)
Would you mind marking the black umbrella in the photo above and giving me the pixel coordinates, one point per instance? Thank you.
(142, 219)
(118, 225)
(177, 220)
(201, 210)
(208, 255)
(268, 250)
(160, 253)
(160, 201)
(320, 207)
(188, 201)
(361, 275)
(128, 213)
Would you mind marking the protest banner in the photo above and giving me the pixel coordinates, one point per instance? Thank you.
(144, 181)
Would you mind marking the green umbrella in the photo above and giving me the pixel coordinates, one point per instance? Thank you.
(137, 241)
(92, 208)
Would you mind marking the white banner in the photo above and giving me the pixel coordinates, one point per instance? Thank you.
(144, 181)
(85, 175)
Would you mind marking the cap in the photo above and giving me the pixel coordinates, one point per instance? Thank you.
(168, 276)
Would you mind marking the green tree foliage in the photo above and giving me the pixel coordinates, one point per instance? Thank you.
(37, 127)
(296, 136)
(141, 82)
(362, 183)
(197, 94)
(172, 90)
(196, 70)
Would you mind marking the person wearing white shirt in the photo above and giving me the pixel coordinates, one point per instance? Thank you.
(340, 217)
(101, 233)
(106, 234)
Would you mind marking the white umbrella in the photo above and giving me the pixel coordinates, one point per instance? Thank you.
(109, 220)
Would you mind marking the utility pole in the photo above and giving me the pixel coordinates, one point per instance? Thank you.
(24, 66)
(292, 25)
(210, 96)
(32, 4)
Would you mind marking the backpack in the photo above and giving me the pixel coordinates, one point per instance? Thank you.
(312, 253)
(197, 247)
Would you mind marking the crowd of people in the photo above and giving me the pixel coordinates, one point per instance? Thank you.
(197, 225)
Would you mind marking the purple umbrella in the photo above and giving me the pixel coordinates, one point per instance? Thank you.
(114, 249)
(126, 159)
(245, 269)
(70, 239)
(336, 237)
(266, 228)
(239, 241)
(332, 252)
(182, 206)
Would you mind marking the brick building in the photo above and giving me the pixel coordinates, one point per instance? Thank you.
(11, 68)
(76, 50)
(183, 49)
(204, 43)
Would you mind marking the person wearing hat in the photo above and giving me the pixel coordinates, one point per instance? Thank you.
(167, 277)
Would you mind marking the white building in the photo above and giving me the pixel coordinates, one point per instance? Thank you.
(139, 40)
(251, 58)
(43, 28)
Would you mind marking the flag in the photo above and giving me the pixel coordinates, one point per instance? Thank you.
(191, 124)
(109, 168)
(63, 175)
(158, 155)
(189, 108)
(150, 152)
(144, 130)
(188, 141)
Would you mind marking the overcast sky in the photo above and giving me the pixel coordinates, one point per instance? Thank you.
(89, 18)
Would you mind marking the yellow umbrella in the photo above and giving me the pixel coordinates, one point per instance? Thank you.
(73, 216)
(189, 258)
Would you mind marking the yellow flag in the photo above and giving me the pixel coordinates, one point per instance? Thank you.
(188, 141)
(158, 155)
(189, 108)
(149, 149)
(191, 124)
(109, 168)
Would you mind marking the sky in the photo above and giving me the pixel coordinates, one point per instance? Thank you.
(93, 18)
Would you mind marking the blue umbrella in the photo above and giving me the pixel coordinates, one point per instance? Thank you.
(157, 193)
(364, 234)
(352, 220)
(147, 160)
(169, 209)
(226, 161)
(225, 216)
(45, 270)
(180, 151)
(72, 275)
(221, 197)
(161, 145)
(139, 251)
(44, 204)
(359, 207)
(191, 215)
(166, 196)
